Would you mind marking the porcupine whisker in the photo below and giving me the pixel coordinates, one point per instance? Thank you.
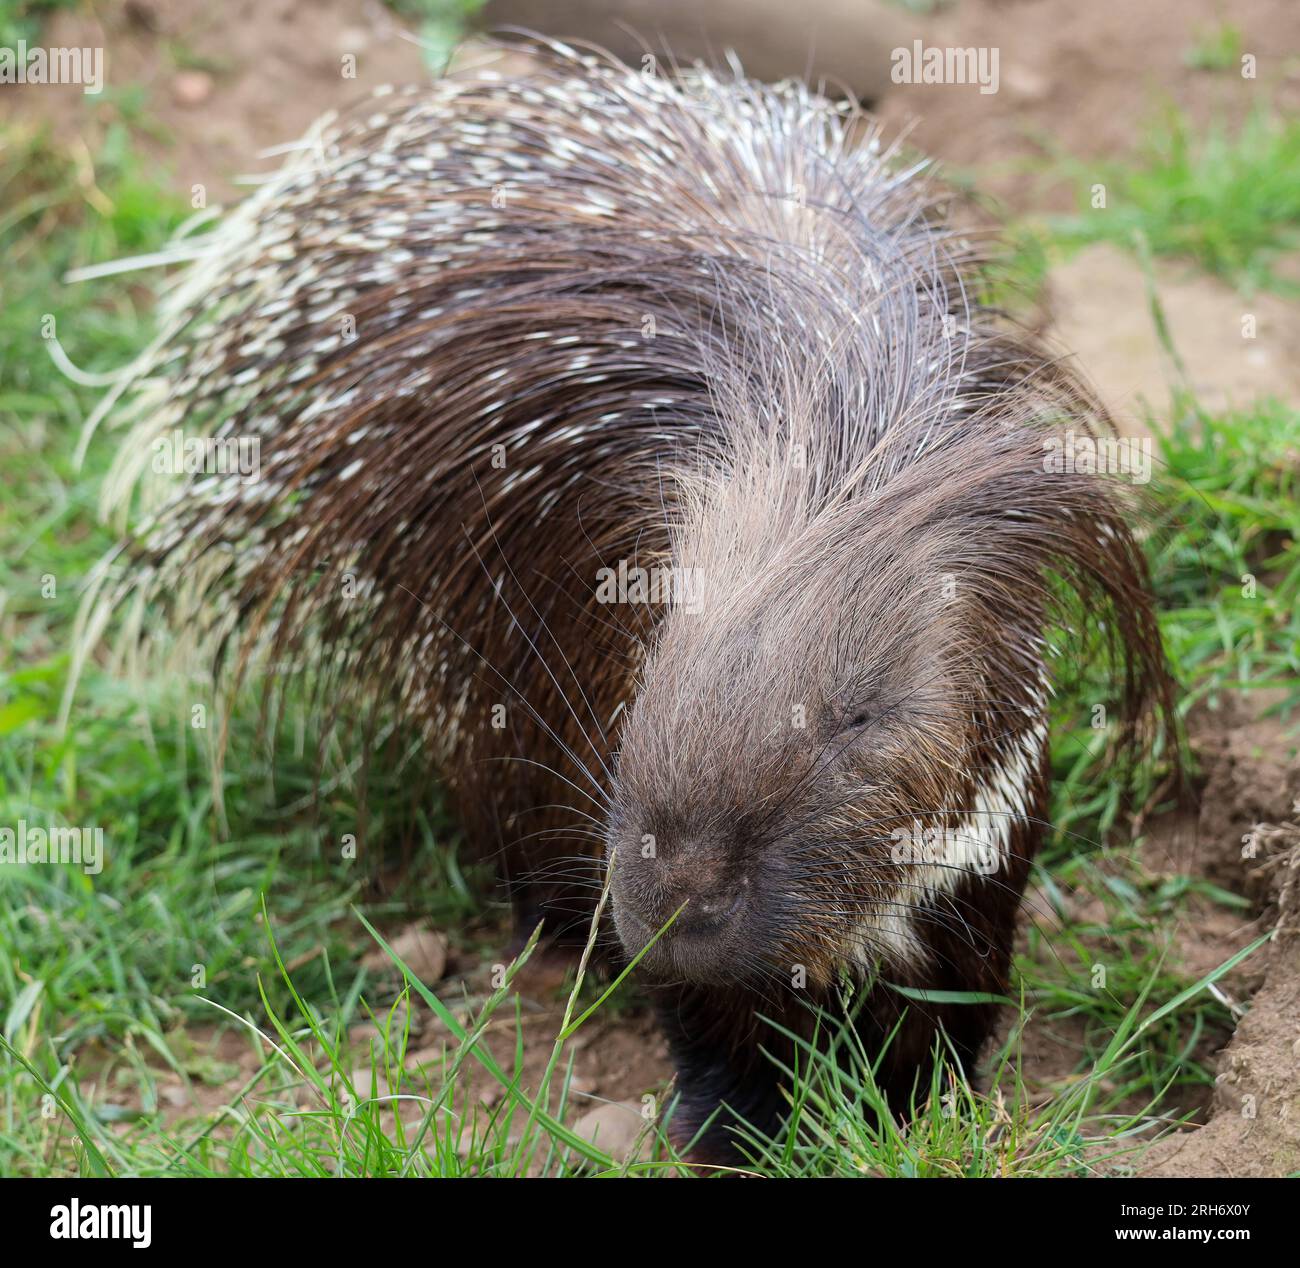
(546, 668)
(907, 814)
(900, 885)
(550, 770)
(553, 867)
(542, 659)
(573, 757)
(831, 864)
(558, 835)
(550, 870)
(581, 829)
(590, 619)
(923, 909)
(811, 860)
(860, 937)
(644, 620)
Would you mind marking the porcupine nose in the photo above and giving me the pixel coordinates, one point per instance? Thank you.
(705, 911)
(695, 882)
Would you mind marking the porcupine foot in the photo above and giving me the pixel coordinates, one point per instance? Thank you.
(724, 1077)
(729, 1058)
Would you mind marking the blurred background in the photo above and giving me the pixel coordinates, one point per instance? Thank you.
(1178, 289)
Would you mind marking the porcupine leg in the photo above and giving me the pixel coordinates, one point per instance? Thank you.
(972, 955)
(720, 1043)
(719, 1046)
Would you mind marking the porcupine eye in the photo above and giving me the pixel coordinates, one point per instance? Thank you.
(853, 721)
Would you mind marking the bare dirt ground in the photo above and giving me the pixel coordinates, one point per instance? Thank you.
(1077, 79)
(1247, 839)
(1101, 312)
(220, 83)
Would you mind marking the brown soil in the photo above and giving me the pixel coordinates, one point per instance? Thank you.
(1076, 79)
(1246, 838)
(1101, 313)
(219, 83)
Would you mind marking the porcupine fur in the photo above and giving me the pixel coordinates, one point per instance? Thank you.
(496, 335)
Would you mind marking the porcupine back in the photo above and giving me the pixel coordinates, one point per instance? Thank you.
(494, 336)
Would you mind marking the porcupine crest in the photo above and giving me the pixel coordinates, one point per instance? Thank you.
(494, 337)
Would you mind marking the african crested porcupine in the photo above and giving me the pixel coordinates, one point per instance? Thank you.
(640, 439)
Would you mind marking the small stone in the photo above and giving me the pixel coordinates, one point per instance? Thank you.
(615, 1127)
(423, 950)
(191, 87)
(1028, 85)
(353, 39)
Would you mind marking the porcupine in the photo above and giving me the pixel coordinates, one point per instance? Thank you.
(510, 346)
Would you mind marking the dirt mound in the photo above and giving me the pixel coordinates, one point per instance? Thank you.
(1247, 838)
(1255, 1130)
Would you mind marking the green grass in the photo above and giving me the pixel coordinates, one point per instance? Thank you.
(1085, 974)
(1225, 560)
(98, 1000)
(1228, 199)
(1215, 48)
(839, 1123)
(1227, 565)
(441, 25)
(317, 1107)
(1224, 552)
(110, 959)
(21, 19)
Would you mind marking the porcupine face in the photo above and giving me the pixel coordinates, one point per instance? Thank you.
(787, 742)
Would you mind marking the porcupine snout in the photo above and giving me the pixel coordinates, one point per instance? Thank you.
(693, 878)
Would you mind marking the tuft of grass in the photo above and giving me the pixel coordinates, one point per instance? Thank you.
(1227, 199)
(1016, 279)
(1224, 553)
(1215, 48)
(441, 24)
(840, 1125)
(102, 969)
(1227, 565)
(1102, 938)
(22, 19)
(315, 1102)
(313, 1105)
